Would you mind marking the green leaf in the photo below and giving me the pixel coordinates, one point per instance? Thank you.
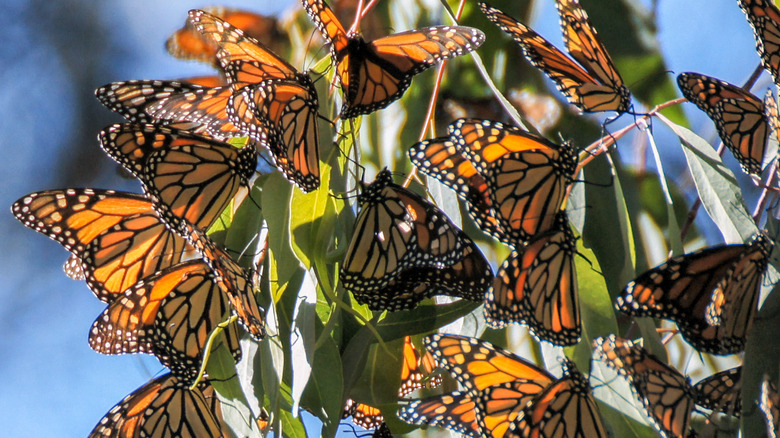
(717, 187)
(292, 427)
(324, 392)
(598, 314)
(762, 357)
(674, 229)
(243, 234)
(277, 192)
(606, 210)
(302, 339)
(235, 410)
(423, 319)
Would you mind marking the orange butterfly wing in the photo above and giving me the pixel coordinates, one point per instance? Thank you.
(170, 314)
(538, 287)
(739, 116)
(190, 177)
(374, 74)
(597, 87)
(667, 395)
(527, 176)
(118, 236)
(163, 407)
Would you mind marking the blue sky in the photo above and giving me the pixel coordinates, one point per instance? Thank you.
(52, 383)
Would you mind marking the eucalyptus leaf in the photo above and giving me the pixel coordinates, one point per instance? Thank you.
(717, 187)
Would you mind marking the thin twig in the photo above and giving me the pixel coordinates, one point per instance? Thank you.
(358, 16)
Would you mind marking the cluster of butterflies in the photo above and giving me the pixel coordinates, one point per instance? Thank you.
(168, 286)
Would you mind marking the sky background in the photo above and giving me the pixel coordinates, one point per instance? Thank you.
(54, 54)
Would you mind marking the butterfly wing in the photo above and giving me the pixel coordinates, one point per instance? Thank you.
(584, 45)
(498, 406)
(185, 106)
(72, 268)
(667, 395)
(118, 236)
(188, 43)
(330, 27)
(363, 415)
(538, 286)
(721, 391)
(565, 408)
(739, 116)
(527, 176)
(377, 73)
(583, 89)
(163, 407)
(170, 314)
(404, 249)
(454, 411)
(244, 59)
(231, 278)
(282, 114)
(764, 18)
(189, 177)
(694, 289)
(478, 364)
(735, 298)
(441, 159)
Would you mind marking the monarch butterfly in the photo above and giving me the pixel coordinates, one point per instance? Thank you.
(188, 43)
(667, 395)
(537, 285)
(455, 411)
(415, 368)
(739, 116)
(187, 176)
(764, 18)
(404, 250)
(185, 106)
(526, 175)
(170, 314)
(516, 397)
(231, 278)
(163, 407)
(441, 159)
(721, 392)
(117, 236)
(374, 74)
(711, 294)
(591, 83)
(769, 402)
(271, 102)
